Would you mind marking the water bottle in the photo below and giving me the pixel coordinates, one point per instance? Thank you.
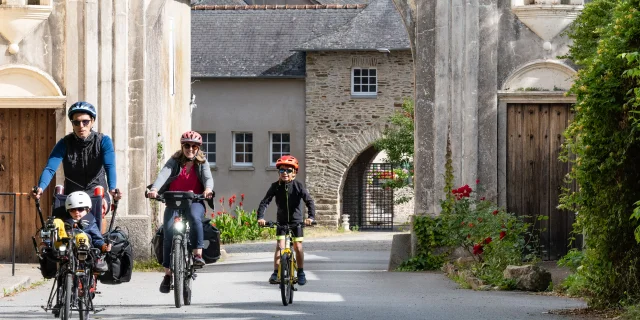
(98, 191)
(59, 189)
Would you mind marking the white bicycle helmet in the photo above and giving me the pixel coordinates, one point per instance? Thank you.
(78, 199)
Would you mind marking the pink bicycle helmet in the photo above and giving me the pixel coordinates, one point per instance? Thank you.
(191, 136)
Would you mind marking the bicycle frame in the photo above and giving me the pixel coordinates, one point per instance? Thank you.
(293, 266)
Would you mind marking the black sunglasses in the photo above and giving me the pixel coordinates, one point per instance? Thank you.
(288, 170)
(78, 122)
(190, 146)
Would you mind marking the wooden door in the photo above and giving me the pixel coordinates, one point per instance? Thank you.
(535, 176)
(27, 137)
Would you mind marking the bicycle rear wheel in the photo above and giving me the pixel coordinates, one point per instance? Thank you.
(177, 255)
(284, 279)
(65, 313)
(83, 300)
(188, 283)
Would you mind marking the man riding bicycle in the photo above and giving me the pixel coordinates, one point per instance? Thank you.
(187, 170)
(289, 195)
(87, 157)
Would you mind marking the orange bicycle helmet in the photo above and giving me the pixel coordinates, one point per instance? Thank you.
(287, 161)
(191, 136)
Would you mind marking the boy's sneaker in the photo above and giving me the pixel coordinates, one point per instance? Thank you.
(165, 286)
(101, 265)
(302, 279)
(274, 278)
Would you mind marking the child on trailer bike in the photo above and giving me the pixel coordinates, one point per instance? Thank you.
(187, 170)
(77, 205)
(289, 195)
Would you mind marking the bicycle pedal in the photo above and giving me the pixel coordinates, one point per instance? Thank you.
(194, 276)
(295, 289)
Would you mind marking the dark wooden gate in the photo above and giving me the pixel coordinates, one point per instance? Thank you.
(535, 176)
(366, 200)
(27, 136)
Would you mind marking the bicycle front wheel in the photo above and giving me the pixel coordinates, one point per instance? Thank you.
(292, 272)
(66, 300)
(177, 254)
(284, 279)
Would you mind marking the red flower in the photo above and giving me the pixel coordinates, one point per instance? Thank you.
(462, 223)
(477, 181)
(242, 196)
(471, 225)
(479, 219)
(487, 240)
(213, 215)
(213, 224)
(222, 200)
(469, 236)
(246, 223)
(477, 249)
(502, 234)
(219, 213)
(230, 202)
(462, 192)
(495, 212)
(240, 203)
(482, 199)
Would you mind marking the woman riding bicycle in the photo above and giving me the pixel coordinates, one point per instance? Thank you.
(187, 170)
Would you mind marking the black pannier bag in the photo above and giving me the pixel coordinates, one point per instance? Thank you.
(157, 240)
(119, 259)
(211, 235)
(48, 264)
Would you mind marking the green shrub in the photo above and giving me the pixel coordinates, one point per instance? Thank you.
(239, 225)
(603, 146)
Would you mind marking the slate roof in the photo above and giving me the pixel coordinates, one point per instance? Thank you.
(257, 41)
(379, 25)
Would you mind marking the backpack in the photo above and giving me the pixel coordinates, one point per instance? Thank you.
(119, 259)
(211, 250)
(48, 264)
(157, 240)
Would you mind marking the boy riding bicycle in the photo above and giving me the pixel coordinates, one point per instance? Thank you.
(289, 196)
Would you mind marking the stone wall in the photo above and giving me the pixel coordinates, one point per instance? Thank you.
(339, 126)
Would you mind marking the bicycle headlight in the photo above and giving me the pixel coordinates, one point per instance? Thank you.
(179, 226)
(62, 248)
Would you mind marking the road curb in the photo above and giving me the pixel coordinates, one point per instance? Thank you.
(9, 284)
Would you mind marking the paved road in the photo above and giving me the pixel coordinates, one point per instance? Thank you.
(346, 280)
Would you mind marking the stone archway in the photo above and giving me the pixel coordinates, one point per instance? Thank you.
(326, 176)
(23, 86)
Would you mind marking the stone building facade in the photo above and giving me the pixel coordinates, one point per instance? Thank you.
(341, 126)
(131, 59)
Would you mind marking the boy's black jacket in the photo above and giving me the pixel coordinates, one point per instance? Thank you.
(297, 193)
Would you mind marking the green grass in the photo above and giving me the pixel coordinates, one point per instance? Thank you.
(35, 284)
(149, 265)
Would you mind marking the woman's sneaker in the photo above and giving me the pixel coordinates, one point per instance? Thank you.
(165, 286)
(198, 261)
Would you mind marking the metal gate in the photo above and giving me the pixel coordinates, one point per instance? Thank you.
(366, 200)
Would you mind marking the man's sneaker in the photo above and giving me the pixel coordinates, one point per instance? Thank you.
(101, 265)
(198, 261)
(302, 279)
(274, 278)
(165, 286)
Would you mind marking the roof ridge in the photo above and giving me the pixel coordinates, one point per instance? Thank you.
(279, 6)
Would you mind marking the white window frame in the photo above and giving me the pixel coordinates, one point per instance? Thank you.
(370, 94)
(242, 164)
(206, 143)
(271, 142)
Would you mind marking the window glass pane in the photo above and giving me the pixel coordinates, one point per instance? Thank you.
(365, 72)
(249, 147)
(372, 72)
(239, 137)
(239, 147)
(274, 157)
(356, 80)
(365, 88)
(286, 148)
(356, 72)
(365, 80)
(356, 88)
(372, 79)
(211, 157)
(276, 147)
(372, 88)
(276, 137)
(285, 137)
(248, 157)
(239, 157)
(248, 137)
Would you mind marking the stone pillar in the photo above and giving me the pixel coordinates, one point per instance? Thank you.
(446, 37)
